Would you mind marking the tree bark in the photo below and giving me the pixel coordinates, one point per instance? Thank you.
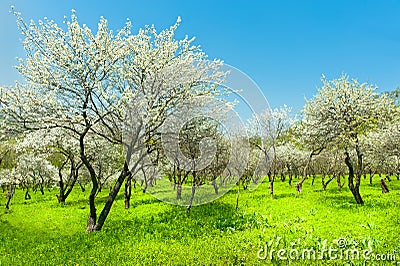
(193, 189)
(355, 189)
(61, 196)
(340, 185)
(371, 175)
(27, 195)
(128, 192)
(73, 177)
(299, 185)
(271, 186)
(191, 199)
(214, 183)
(325, 184)
(111, 197)
(179, 190)
(41, 185)
(237, 196)
(91, 222)
(70, 187)
(290, 180)
(384, 186)
(10, 194)
(283, 177)
(82, 187)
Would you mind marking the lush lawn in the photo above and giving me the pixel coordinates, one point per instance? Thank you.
(42, 232)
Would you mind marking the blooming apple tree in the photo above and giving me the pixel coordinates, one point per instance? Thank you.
(120, 87)
(339, 115)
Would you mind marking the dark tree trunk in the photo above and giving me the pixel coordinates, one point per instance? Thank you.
(193, 190)
(325, 184)
(128, 192)
(70, 187)
(10, 194)
(384, 186)
(61, 196)
(191, 199)
(146, 184)
(237, 196)
(27, 195)
(41, 185)
(354, 188)
(214, 183)
(299, 185)
(73, 177)
(271, 186)
(179, 190)
(111, 197)
(91, 222)
(82, 187)
(290, 180)
(340, 185)
(243, 182)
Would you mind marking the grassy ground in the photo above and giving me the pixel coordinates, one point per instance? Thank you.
(42, 232)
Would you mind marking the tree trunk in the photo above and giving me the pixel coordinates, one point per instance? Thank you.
(191, 198)
(41, 186)
(283, 177)
(179, 190)
(111, 197)
(27, 195)
(128, 192)
(340, 185)
(355, 189)
(10, 194)
(384, 186)
(299, 185)
(237, 196)
(70, 187)
(82, 187)
(61, 196)
(325, 184)
(91, 222)
(290, 180)
(323, 181)
(271, 186)
(214, 183)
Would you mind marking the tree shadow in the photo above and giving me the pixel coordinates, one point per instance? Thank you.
(174, 223)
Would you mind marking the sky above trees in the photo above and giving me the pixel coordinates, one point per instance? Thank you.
(284, 46)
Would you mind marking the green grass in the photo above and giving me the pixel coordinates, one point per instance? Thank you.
(42, 232)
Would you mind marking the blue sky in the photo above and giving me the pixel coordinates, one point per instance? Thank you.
(284, 46)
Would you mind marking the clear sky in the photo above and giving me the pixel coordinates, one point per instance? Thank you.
(284, 46)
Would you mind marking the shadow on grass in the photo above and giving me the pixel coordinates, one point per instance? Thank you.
(347, 201)
(175, 223)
